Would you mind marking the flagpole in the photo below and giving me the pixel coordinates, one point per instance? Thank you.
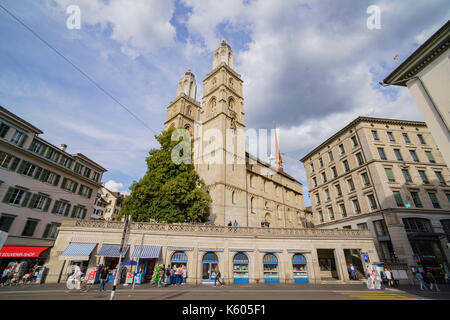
(139, 258)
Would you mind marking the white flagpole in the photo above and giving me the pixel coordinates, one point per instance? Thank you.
(139, 258)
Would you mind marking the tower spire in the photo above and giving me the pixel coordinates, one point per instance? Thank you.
(278, 160)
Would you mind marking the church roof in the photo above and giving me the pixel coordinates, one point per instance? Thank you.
(267, 165)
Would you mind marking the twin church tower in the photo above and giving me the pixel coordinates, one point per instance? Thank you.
(245, 189)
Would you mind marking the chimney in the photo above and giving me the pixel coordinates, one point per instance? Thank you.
(63, 147)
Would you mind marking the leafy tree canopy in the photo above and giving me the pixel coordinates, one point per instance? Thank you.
(168, 192)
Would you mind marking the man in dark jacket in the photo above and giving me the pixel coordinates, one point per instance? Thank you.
(103, 278)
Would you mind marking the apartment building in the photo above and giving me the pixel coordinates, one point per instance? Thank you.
(40, 185)
(387, 176)
(107, 204)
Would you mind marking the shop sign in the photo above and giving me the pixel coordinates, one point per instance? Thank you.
(129, 278)
(91, 276)
(366, 258)
(416, 258)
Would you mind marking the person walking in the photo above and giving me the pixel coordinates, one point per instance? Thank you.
(445, 273)
(162, 273)
(180, 275)
(184, 274)
(104, 273)
(77, 275)
(353, 271)
(172, 276)
(168, 276)
(217, 278)
(370, 279)
(419, 277)
(432, 280)
(388, 275)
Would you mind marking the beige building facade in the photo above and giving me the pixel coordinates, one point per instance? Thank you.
(243, 254)
(389, 177)
(426, 73)
(40, 185)
(107, 204)
(243, 188)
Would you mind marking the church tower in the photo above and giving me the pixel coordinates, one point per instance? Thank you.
(184, 111)
(223, 141)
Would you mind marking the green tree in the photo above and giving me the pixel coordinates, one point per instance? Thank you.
(168, 192)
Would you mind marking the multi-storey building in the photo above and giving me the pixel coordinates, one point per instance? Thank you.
(387, 176)
(107, 204)
(40, 185)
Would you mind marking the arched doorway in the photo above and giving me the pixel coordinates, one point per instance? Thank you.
(299, 268)
(209, 263)
(270, 266)
(240, 268)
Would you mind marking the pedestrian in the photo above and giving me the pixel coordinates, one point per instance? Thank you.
(379, 280)
(388, 276)
(217, 278)
(370, 279)
(184, 274)
(432, 280)
(172, 276)
(419, 277)
(168, 276)
(230, 224)
(103, 278)
(162, 272)
(235, 224)
(175, 275)
(180, 275)
(5, 276)
(353, 271)
(445, 273)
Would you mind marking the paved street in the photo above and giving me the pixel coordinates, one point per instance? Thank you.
(235, 292)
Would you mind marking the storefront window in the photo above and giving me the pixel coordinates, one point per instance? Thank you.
(299, 268)
(270, 264)
(327, 264)
(417, 225)
(240, 268)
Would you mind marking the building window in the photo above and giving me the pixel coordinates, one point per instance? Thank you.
(85, 191)
(61, 208)
(351, 185)
(320, 216)
(17, 136)
(331, 213)
(96, 176)
(37, 147)
(365, 179)
(413, 155)
(341, 147)
(430, 157)
(355, 142)
(315, 182)
(440, 177)
(16, 197)
(321, 162)
(343, 210)
(6, 160)
(380, 228)
(372, 202)
(317, 198)
(330, 154)
(424, 177)
(434, 200)
(29, 169)
(39, 202)
(406, 175)
(327, 194)
(30, 227)
(421, 139)
(417, 225)
(346, 227)
(6, 221)
(362, 226)
(69, 185)
(359, 158)
(87, 172)
(3, 130)
(338, 190)
(78, 168)
(406, 138)
(312, 167)
(398, 154)
(346, 166)
(375, 135)
(335, 174)
(51, 231)
(78, 212)
(324, 177)
(381, 153)
(398, 198)
(389, 174)
(391, 136)
(446, 226)
(416, 199)
(356, 206)
(233, 197)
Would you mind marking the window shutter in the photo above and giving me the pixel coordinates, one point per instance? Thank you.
(26, 198)
(43, 174)
(84, 214)
(14, 164)
(47, 204)
(33, 200)
(55, 183)
(48, 152)
(74, 188)
(38, 172)
(73, 211)
(63, 183)
(43, 150)
(47, 230)
(55, 206)
(67, 210)
(81, 189)
(22, 166)
(8, 195)
(22, 140)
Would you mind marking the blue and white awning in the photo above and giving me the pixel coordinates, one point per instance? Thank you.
(148, 252)
(112, 250)
(77, 251)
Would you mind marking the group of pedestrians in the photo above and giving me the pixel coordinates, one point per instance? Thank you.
(427, 280)
(172, 276)
(380, 279)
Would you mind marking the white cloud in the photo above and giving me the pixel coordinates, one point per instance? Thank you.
(116, 187)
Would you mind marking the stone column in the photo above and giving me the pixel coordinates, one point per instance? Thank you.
(282, 267)
(310, 267)
(198, 263)
(341, 264)
(252, 270)
(315, 266)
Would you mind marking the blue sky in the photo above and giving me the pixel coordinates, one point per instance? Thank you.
(311, 66)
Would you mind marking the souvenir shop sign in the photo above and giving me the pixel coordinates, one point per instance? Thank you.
(21, 252)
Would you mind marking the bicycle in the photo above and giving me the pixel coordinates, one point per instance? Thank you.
(72, 284)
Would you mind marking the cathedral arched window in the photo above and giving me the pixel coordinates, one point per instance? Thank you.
(214, 81)
(267, 217)
(189, 111)
(229, 58)
(230, 103)
(187, 127)
(233, 197)
(212, 105)
(231, 82)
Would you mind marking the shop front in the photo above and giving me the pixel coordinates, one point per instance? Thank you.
(240, 268)
(299, 268)
(76, 253)
(111, 255)
(146, 260)
(271, 269)
(209, 263)
(22, 259)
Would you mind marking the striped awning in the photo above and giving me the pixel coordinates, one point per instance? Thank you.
(270, 259)
(78, 251)
(240, 258)
(298, 259)
(112, 250)
(148, 252)
(179, 256)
